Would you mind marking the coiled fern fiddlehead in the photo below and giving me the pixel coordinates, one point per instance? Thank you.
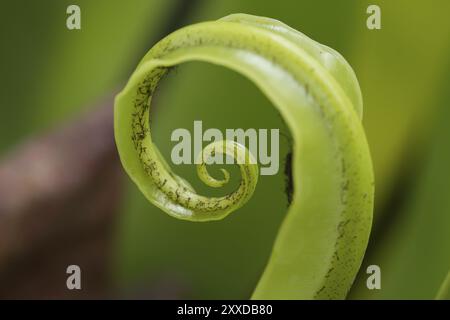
(320, 245)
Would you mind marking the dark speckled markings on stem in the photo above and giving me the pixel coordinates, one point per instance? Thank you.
(321, 243)
(164, 180)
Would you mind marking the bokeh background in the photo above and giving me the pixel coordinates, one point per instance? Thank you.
(64, 198)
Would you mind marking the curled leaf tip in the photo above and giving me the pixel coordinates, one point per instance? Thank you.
(321, 243)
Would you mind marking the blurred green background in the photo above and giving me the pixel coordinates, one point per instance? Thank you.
(51, 74)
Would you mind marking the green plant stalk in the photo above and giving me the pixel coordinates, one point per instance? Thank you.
(322, 240)
(444, 290)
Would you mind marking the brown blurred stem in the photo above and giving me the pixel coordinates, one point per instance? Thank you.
(58, 200)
